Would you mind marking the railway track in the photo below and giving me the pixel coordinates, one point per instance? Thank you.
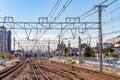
(37, 73)
(50, 70)
(85, 73)
(69, 72)
(62, 73)
(10, 71)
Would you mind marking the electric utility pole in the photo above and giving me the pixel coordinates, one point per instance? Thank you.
(59, 47)
(100, 7)
(79, 49)
(14, 45)
(49, 49)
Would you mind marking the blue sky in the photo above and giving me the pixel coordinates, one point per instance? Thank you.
(30, 10)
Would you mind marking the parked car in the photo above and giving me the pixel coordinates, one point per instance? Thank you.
(108, 63)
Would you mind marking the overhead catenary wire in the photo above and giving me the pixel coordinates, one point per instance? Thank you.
(90, 11)
(10, 25)
(13, 30)
(53, 11)
(53, 8)
(63, 9)
(42, 35)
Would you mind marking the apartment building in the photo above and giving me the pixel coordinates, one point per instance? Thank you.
(5, 40)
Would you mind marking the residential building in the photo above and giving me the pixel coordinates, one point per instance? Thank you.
(9, 40)
(114, 40)
(104, 45)
(116, 50)
(5, 40)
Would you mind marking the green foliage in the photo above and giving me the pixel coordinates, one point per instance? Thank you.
(71, 62)
(65, 52)
(1, 55)
(115, 56)
(93, 54)
(96, 51)
(65, 49)
(0, 63)
(107, 50)
(106, 55)
(87, 52)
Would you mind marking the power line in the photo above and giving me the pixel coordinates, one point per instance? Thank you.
(86, 12)
(11, 27)
(111, 32)
(111, 11)
(63, 9)
(111, 2)
(103, 2)
(54, 9)
(13, 30)
(113, 20)
(91, 10)
(94, 8)
(107, 13)
(89, 15)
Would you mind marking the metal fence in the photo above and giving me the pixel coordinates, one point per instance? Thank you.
(107, 62)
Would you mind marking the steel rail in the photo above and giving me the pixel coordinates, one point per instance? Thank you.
(9, 71)
(34, 72)
(42, 72)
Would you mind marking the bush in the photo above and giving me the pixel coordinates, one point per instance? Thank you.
(1, 55)
(0, 63)
(71, 62)
(87, 52)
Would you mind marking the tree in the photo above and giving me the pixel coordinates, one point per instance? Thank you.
(1, 55)
(94, 52)
(65, 49)
(87, 52)
(107, 51)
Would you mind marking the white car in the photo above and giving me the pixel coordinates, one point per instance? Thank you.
(107, 63)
